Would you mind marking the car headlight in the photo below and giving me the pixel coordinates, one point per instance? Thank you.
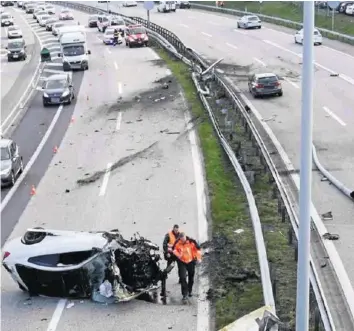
(5, 172)
(8, 52)
(65, 94)
(45, 95)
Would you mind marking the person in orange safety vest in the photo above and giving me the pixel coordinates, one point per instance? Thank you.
(187, 252)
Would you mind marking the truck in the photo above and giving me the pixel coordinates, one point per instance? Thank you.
(73, 51)
(70, 28)
(166, 6)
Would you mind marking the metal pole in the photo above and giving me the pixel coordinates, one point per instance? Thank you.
(303, 269)
(332, 19)
(148, 19)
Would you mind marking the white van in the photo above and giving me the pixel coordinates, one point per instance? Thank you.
(74, 51)
(166, 6)
(70, 28)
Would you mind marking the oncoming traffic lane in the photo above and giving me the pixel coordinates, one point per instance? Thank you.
(116, 115)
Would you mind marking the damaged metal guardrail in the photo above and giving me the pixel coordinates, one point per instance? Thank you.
(276, 20)
(348, 192)
(322, 318)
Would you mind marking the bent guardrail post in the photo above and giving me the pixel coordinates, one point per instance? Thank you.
(340, 186)
(211, 67)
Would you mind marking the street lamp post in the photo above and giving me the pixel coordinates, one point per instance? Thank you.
(303, 269)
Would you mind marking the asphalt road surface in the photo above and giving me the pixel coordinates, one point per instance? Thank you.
(272, 49)
(120, 109)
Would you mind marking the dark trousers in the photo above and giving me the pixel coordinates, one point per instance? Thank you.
(185, 269)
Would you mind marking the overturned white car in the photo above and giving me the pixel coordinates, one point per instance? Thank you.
(102, 266)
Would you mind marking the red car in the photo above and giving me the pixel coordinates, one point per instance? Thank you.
(136, 35)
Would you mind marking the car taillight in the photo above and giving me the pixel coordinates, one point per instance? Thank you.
(259, 86)
(6, 254)
(277, 84)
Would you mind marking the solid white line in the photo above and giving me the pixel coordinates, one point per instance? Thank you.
(334, 116)
(119, 121)
(240, 32)
(260, 62)
(116, 65)
(168, 72)
(53, 324)
(108, 50)
(207, 34)
(105, 180)
(232, 46)
(191, 17)
(213, 23)
(153, 53)
(290, 82)
(120, 88)
(33, 159)
(335, 50)
(185, 26)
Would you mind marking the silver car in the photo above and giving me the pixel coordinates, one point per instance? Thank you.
(14, 32)
(249, 22)
(264, 84)
(11, 162)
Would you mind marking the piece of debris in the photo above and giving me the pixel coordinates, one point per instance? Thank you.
(324, 179)
(128, 122)
(163, 131)
(327, 216)
(165, 86)
(238, 231)
(334, 75)
(28, 301)
(106, 289)
(44, 319)
(323, 264)
(139, 120)
(67, 191)
(173, 132)
(97, 130)
(272, 118)
(69, 305)
(331, 236)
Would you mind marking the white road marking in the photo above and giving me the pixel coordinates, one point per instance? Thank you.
(168, 72)
(344, 77)
(334, 116)
(207, 34)
(191, 17)
(108, 50)
(232, 46)
(54, 64)
(213, 23)
(53, 324)
(105, 180)
(340, 52)
(260, 62)
(240, 32)
(115, 65)
(33, 159)
(184, 25)
(153, 53)
(120, 88)
(119, 121)
(45, 40)
(291, 83)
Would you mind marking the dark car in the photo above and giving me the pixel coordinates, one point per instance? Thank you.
(29, 9)
(11, 162)
(264, 84)
(92, 21)
(136, 35)
(184, 4)
(7, 3)
(49, 23)
(58, 89)
(16, 50)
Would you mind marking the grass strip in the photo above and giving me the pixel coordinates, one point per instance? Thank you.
(234, 273)
(292, 10)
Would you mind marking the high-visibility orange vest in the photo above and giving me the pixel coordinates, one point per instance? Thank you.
(187, 252)
(172, 239)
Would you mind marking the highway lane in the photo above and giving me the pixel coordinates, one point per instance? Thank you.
(15, 76)
(120, 109)
(271, 49)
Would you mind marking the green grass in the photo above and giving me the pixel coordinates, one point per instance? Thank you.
(229, 211)
(292, 11)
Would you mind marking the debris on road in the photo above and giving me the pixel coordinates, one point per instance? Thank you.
(69, 305)
(327, 216)
(331, 236)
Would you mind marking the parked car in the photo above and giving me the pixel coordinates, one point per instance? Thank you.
(317, 37)
(50, 10)
(58, 89)
(38, 12)
(130, 4)
(14, 32)
(92, 21)
(184, 4)
(29, 8)
(136, 35)
(108, 36)
(350, 10)
(264, 84)
(102, 23)
(249, 22)
(11, 162)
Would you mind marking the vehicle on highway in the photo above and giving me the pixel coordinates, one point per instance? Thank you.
(119, 23)
(249, 22)
(74, 51)
(14, 31)
(103, 22)
(183, 4)
(11, 162)
(136, 35)
(317, 37)
(49, 23)
(66, 14)
(343, 6)
(166, 6)
(58, 89)
(264, 84)
(60, 24)
(108, 37)
(7, 3)
(19, 4)
(82, 264)
(92, 21)
(350, 10)
(50, 10)
(70, 28)
(6, 19)
(30, 9)
(130, 4)
(42, 20)
(37, 12)
(16, 50)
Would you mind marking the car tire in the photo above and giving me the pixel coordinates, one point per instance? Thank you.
(146, 44)
(280, 93)
(21, 167)
(31, 238)
(259, 27)
(238, 26)
(130, 45)
(13, 179)
(45, 104)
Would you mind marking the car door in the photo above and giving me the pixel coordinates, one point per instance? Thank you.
(15, 158)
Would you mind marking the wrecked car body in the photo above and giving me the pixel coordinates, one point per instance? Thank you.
(102, 266)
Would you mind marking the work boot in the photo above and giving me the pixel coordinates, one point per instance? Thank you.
(184, 299)
(190, 294)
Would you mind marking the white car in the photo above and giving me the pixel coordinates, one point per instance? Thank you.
(249, 22)
(166, 6)
(84, 264)
(42, 20)
(14, 32)
(6, 19)
(350, 10)
(130, 4)
(109, 35)
(66, 14)
(50, 10)
(317, 37)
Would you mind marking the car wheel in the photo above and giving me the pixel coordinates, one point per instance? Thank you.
(146, 44)
(130, 45)
(238, 26)
(21, 287)
(295, 40)
(12, 179)
(259, 27)
(31, 238)
(280, 93)
(319, 44)
(21, 167)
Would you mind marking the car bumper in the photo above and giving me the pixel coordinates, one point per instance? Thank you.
(7, 23)
(14, 36)
(56, 100)
(138, 43)
(252, 26)
(267, 91)
(14, 57)
(92, 25)
(5, 180)
(108, 42)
